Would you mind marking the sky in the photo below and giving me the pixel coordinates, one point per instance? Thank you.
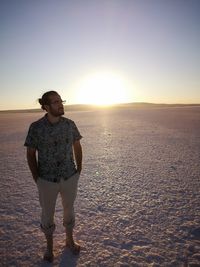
(89, 50)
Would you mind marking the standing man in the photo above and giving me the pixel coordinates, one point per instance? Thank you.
(54, 156)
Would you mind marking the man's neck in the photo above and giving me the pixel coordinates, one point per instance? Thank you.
(52, 119)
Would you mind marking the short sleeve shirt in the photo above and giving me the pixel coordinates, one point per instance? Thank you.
(54, 144)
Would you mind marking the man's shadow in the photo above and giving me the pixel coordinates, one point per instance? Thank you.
(67, 259)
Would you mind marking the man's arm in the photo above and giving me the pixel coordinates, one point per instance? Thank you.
(32, 162)
(78, 155)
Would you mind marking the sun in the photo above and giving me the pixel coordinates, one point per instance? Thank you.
(102, 89)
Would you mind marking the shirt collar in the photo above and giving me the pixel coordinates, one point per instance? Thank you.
(47, 122)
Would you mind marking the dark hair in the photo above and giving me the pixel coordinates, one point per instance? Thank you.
(44, 100)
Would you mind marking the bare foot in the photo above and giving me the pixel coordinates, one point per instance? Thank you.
(74, 247)
(48, 256)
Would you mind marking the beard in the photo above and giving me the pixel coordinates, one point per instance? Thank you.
(57, 112)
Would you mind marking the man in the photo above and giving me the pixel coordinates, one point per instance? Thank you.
(54, 156)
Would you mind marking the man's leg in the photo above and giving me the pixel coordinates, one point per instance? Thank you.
(48, 255)
(48, 193)
(68, 194)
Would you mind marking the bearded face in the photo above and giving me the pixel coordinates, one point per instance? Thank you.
(55, 106)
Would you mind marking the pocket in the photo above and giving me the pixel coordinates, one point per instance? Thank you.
(76, 175)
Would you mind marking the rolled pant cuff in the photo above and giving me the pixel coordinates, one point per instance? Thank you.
(48, 230)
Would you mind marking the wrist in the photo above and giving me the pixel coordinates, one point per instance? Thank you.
(79, 170)
(35, 178)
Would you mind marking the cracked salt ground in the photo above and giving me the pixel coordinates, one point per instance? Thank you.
(138, 202)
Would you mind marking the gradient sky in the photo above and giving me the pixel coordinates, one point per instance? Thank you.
(152, 44)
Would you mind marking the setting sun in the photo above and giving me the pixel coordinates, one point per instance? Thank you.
(102, 88)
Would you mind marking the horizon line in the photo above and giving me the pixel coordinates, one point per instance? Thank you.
(92, 106)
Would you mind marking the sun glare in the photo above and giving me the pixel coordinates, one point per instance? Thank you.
(102, 89)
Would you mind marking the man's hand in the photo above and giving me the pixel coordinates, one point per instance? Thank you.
(35, 178)
(78, 155)
(32, 162)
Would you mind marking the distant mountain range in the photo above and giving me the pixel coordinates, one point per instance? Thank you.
(85, 107)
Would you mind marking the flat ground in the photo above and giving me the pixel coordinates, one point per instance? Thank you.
(138, 202)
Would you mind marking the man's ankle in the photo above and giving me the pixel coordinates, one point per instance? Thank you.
(48, 256)
(49, 242)
(69, 236)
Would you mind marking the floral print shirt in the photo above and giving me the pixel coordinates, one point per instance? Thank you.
(53, 143)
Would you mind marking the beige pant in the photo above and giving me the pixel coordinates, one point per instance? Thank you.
(48, 193)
